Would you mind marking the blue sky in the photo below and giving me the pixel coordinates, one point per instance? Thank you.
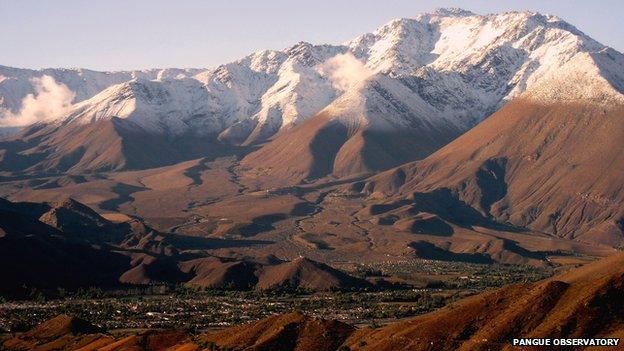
(129, 34)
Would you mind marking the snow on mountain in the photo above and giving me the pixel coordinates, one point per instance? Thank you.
(468, 65)
(593, 83)
(292, 89)
(382, 103)
(160, 107)
(16, 83)
(374, 125)
(463, 66)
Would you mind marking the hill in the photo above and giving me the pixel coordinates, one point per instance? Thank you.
(67, 244)
(580, 304)
(292, 331)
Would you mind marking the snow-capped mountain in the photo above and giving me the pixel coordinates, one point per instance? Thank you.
(464, 65)
(271, 90)
(16, 83)
(159, 107)
(455, 68)
(468, 65)
(375, 125)
(550, 160)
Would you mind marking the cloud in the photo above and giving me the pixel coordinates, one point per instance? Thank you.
(345, 71)
(49, 101)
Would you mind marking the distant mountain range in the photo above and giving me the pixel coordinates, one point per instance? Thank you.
(380, 100)
(487, 138)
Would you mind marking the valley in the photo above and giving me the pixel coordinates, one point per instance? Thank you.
(412, 288)
(587, 296)
(320, 220)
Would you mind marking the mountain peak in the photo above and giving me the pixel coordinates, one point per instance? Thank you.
(452, 11)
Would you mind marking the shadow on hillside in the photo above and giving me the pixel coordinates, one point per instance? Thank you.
(447, 206)
(429, 251)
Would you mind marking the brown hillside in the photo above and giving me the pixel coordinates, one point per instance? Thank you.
(376, 126)
(555, 169)
(549, 160)
(268, 274)
(107, 145)
(66, 244)
(215, 273)
(582, 303)
(59, 333)
(71, 333)
(48, 257)
(306, 274)
(289, 332)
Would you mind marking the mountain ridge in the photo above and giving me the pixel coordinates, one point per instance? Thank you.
(391, 50)
(460, 67)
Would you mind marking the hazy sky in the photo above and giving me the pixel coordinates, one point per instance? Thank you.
(127, 34)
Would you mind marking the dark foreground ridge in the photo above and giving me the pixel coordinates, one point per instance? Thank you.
(66, 244)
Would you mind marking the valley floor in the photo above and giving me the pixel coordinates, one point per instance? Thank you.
(216, 199)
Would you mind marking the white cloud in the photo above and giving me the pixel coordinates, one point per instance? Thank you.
(345, 71)
(49, 101)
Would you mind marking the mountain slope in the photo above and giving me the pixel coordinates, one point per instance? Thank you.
(106, 145)
(583, 303)
(549, 160)
(292, 331)
(17, 83)
(305, 274)
(376, 125)
(47, 256)
(169, 107)
(67, 244)
(70, 333)
(271, 274)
